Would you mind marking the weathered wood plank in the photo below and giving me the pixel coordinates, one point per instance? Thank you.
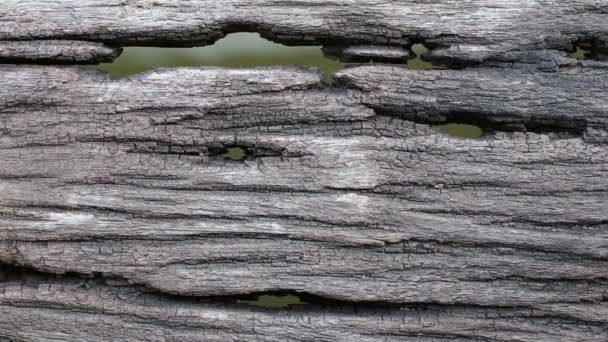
(461, 32)
(346, 192)
(122, 177)
(82, 310)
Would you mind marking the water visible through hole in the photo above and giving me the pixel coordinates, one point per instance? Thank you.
(272, 301)
(251, 50)
(417, 63)
(235, 153)
(460, 130)
(235, 50)
(580, 53)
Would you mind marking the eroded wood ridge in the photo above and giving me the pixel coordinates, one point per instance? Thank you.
(522, 99)
(339, 197)
(461, 32)
(86, 310)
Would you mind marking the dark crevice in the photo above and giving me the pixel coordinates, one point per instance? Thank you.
(25, 275)
(587, 50)
(274, 300)
(213, 151)
(11, 271)
(477, 124)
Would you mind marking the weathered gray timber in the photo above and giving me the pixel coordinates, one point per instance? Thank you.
(339, 198)
(121, 220)
(460, 32)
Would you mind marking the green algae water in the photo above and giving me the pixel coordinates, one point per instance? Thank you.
(272, 301)
(246, 50)
(238, 50)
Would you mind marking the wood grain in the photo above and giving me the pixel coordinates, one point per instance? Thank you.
(124, 178)
(82, 310)
(121, 219)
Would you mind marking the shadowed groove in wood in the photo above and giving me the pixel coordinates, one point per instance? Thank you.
(279, 300)
(59, 308)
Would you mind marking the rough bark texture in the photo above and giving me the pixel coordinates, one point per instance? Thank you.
(81, 310)
(122, 220)
(461, 32)
(339, 197)
(573, 99)
(56, 51)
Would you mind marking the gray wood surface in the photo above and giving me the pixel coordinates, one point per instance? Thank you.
(121, 219)
(461, 32)
(81, 310)
(338, 197)
(56, 52)
(572, 100)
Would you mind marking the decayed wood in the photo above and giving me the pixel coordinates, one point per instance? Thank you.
(122, 178)
(574, 99)
(461, 32)
(81, 310)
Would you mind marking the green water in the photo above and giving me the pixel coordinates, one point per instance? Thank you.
(235, 50)
(250, 50)
(460, 130)
(235, 153)
(580, 53)
(271, 301)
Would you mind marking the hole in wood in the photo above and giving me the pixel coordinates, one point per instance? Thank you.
(589, 50)
(582, 52)
(12, 272)
(239, 50)
(235, 153)
(274, 301)
(230, 153)
(460, 130)
(418, 63)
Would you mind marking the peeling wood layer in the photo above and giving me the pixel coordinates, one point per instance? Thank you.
(460, 32)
